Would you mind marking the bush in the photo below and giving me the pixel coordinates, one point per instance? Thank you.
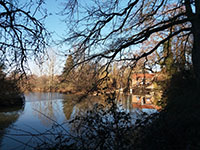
(10, 94)
(177, 125)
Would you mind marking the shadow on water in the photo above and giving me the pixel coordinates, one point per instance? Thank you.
(7, 117)
(18, 125)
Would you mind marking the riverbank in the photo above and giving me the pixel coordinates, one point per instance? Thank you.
(11, 100)
(10, 93)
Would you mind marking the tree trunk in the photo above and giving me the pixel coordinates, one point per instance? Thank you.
(196, 49)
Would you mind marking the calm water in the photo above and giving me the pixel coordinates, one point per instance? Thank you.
(42, 112)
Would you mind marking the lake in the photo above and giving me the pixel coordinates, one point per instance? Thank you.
(43, 113)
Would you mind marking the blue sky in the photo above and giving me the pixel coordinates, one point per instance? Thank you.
(53, 21)
(53, 24)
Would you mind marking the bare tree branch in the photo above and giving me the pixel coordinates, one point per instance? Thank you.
(113, 30)
(22, 35)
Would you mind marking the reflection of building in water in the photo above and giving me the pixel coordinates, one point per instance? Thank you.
(143, 92)
(144, 88)
(142, 99)
(130, 102)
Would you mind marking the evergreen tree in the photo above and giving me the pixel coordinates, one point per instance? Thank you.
(68, 76)
(68, 65)
(168, 65)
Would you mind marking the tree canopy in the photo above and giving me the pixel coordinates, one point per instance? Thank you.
(117, 29)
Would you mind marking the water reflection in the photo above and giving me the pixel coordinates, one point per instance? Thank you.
(7, 117)
(37, 117)
(127, 102)
(47, 107)
(73, 107)
(68, 106)
(42, 110)
(131, 102)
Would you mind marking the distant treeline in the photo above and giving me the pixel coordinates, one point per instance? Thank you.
(78, 80)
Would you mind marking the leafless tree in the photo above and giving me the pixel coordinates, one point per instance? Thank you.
(116, 29)
(51, 68)
(22, 32)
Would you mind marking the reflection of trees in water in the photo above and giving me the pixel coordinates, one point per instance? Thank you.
(7, 118)
(46, 107)
(68, 106)
(101, 127)
(125, 100)
(71, 106)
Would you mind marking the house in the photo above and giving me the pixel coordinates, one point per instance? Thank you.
(142, 79)
(143, 88)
